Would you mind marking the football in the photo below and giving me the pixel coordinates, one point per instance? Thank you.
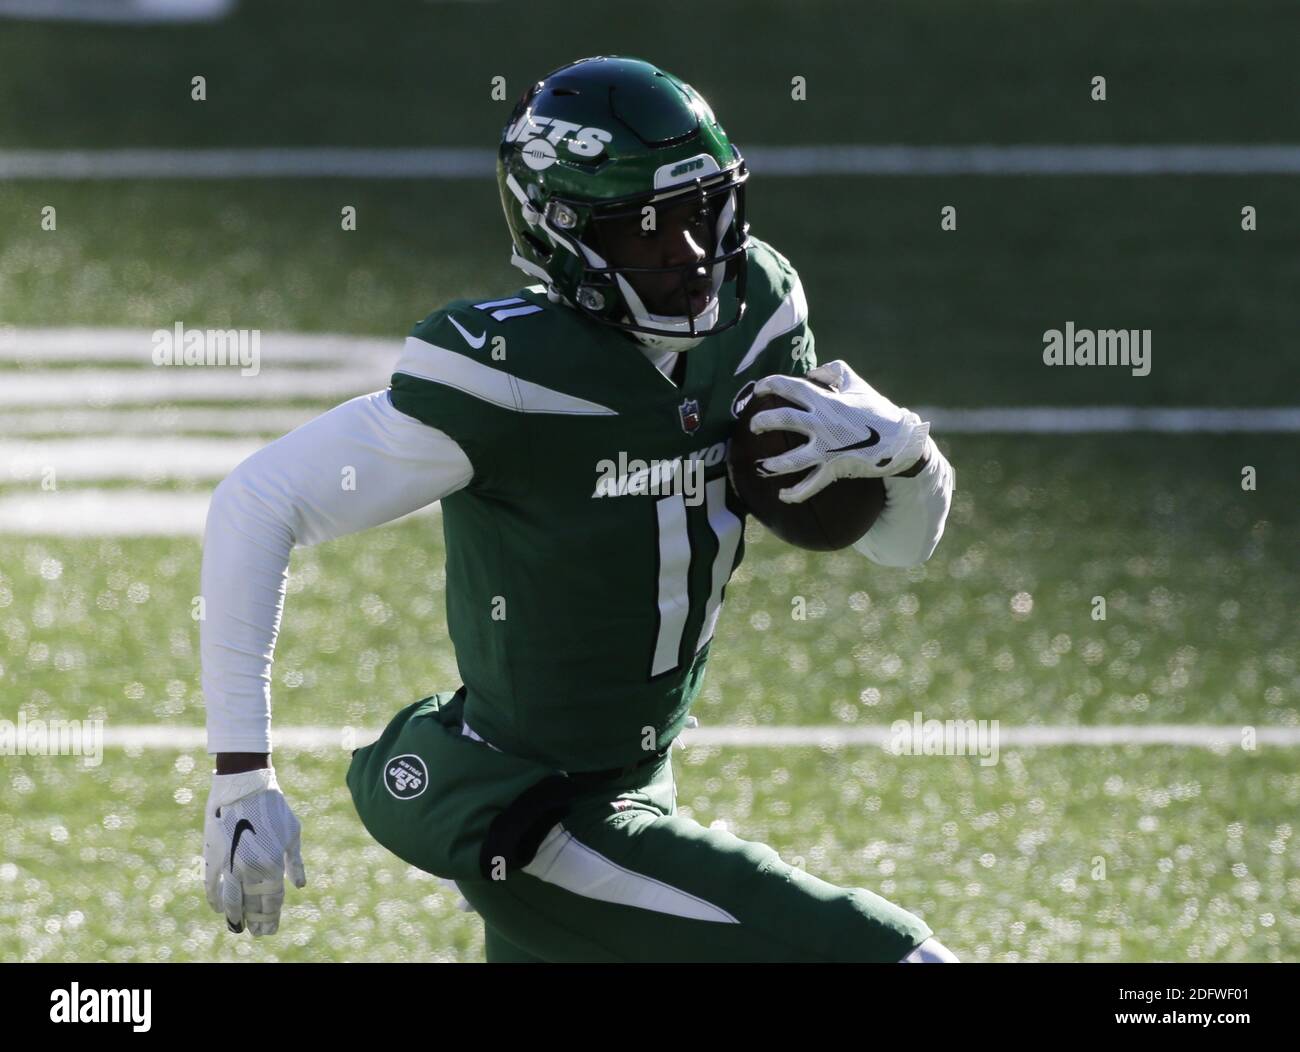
(826, 521)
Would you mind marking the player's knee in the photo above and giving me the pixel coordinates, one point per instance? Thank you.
(932, 951)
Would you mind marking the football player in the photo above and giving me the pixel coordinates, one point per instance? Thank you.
(581, 614)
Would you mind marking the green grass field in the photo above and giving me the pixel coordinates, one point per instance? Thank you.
(1056, 853)
(104, 864)
(1199, 579)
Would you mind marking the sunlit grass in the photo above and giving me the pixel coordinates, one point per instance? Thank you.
(1198, 579)
(1053, 854)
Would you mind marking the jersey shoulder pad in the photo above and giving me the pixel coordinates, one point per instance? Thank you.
(471, 326)
(475, 369)
(453, 374)
(770, 273)
(777, 337)
(470, 345)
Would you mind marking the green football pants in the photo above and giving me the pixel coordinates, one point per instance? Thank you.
(625, 878)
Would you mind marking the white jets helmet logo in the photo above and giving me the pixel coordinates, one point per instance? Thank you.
(538, 154)
(542, 135)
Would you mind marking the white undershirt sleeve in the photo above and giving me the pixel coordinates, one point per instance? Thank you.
(361, 464)
(908, 530)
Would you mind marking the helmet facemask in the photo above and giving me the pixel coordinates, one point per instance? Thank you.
(606, 292)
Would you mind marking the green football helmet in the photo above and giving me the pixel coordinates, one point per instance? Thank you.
(611, 137)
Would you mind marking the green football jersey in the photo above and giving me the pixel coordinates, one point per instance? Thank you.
(587, 559)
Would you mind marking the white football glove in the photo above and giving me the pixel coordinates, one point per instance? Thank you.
(853, 430)
(247, 817)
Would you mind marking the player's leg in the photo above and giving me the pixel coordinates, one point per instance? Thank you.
(623, 879)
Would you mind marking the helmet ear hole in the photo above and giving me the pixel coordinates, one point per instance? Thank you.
(539, 246)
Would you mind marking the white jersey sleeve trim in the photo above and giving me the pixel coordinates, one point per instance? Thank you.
(361, 464)
(792, 312)
(428, 361)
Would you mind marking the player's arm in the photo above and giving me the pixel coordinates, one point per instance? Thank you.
(916, 508)
(361, 464)
(853, 431)
(892, 443)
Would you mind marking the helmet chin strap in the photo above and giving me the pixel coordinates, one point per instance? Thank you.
(666, 343)
(675, 323)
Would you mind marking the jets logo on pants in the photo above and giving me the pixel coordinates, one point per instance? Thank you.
(406, 776)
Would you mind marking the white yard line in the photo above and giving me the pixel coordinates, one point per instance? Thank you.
(115, 457)
(158, 422)
(35, 346)
(164, 455)
(105, 513)
(1199, 735)
(295, 162)
(130, 12)
(158, 736)
(145, 386)
(982, 159)
(1102, 419)
(791, 161)
(114, 513)
(93, 424)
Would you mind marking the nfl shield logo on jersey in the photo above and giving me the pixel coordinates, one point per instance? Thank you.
(690, 412)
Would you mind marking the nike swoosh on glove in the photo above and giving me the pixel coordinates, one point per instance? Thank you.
(853, 430)
(250, 837)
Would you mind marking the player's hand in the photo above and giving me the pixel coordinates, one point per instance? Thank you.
(853, 430)
(248, 816)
